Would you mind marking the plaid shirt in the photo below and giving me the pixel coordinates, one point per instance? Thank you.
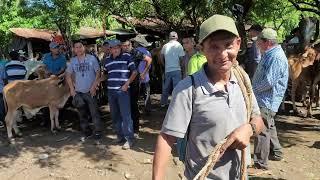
(271, 79)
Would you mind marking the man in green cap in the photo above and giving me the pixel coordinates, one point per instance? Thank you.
(210, 108)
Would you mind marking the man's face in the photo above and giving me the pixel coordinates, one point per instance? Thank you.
(221, 50)
(262, 44)
(253, 33)
(106, 49)
(115, 51)
(54, 51)
(188, 44)
(79, 49)
(126, 46)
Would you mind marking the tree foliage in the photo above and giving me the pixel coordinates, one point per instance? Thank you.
(68, 16)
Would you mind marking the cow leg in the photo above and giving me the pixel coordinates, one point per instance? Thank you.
(317, 96)
(17, 116)
(315, 90)
(293, 96)
(309, 107)
(304, 100)
(56, 117)
(52, 115)
(10, 117)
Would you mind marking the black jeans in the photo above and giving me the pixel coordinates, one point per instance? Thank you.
(83, 102)
(134, 96)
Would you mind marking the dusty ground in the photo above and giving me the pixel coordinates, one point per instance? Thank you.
(71, 159)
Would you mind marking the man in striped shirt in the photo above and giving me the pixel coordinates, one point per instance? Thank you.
(120, 70)
(269, 85)
(15, 70)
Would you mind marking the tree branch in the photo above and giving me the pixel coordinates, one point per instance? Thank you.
(306, 3)
(298, 7)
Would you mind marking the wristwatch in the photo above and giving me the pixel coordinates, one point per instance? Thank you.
(254, 128)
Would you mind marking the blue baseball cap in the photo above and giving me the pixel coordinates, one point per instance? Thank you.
(114, 42)
(53, 45)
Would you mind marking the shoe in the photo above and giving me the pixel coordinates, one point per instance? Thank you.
(97, 136)
(87, 135)
(127, 145)
(275, 158)
(1, 124)
(256, 171)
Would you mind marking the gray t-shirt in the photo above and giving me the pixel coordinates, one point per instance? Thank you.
(215, 115)
(84, 72)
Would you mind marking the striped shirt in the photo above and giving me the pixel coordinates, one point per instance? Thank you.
(119, 70)
(271, 78)
(15, 70)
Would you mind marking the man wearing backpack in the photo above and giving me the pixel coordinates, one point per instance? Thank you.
(212, 109)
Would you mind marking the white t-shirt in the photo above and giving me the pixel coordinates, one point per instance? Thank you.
(172, 51)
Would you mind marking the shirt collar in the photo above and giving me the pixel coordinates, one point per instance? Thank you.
(58, 56)
(272, 49)
(209, 88)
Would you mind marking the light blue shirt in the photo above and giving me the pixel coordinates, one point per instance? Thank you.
(84, 72)
(271, 79)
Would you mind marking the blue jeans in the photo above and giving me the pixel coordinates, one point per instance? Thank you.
(119, 102)
(171, 79)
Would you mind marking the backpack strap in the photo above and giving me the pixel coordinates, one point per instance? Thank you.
(192, 101)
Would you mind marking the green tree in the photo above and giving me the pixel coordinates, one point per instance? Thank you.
(13, 14)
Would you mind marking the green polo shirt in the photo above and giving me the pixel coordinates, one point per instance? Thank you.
(196, 62)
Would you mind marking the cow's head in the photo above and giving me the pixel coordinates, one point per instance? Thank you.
(41, 72)
(308, 57)
(58, 80)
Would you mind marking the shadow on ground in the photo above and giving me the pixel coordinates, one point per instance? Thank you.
(38, 140)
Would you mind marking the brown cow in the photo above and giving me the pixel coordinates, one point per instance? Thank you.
(32, 95)
(302, 73)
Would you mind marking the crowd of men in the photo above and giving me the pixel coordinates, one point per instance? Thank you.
(125, 69)
(207, 103)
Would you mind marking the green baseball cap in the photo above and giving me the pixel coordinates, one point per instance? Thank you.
(217, 23)
(268, 33)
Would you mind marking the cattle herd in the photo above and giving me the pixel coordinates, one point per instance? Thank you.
(305, 77)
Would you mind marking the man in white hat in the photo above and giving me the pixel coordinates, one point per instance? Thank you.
(172, 55)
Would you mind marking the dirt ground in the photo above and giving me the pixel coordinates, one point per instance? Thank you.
(69, 158)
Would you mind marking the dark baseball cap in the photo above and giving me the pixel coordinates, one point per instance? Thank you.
(256, 27)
